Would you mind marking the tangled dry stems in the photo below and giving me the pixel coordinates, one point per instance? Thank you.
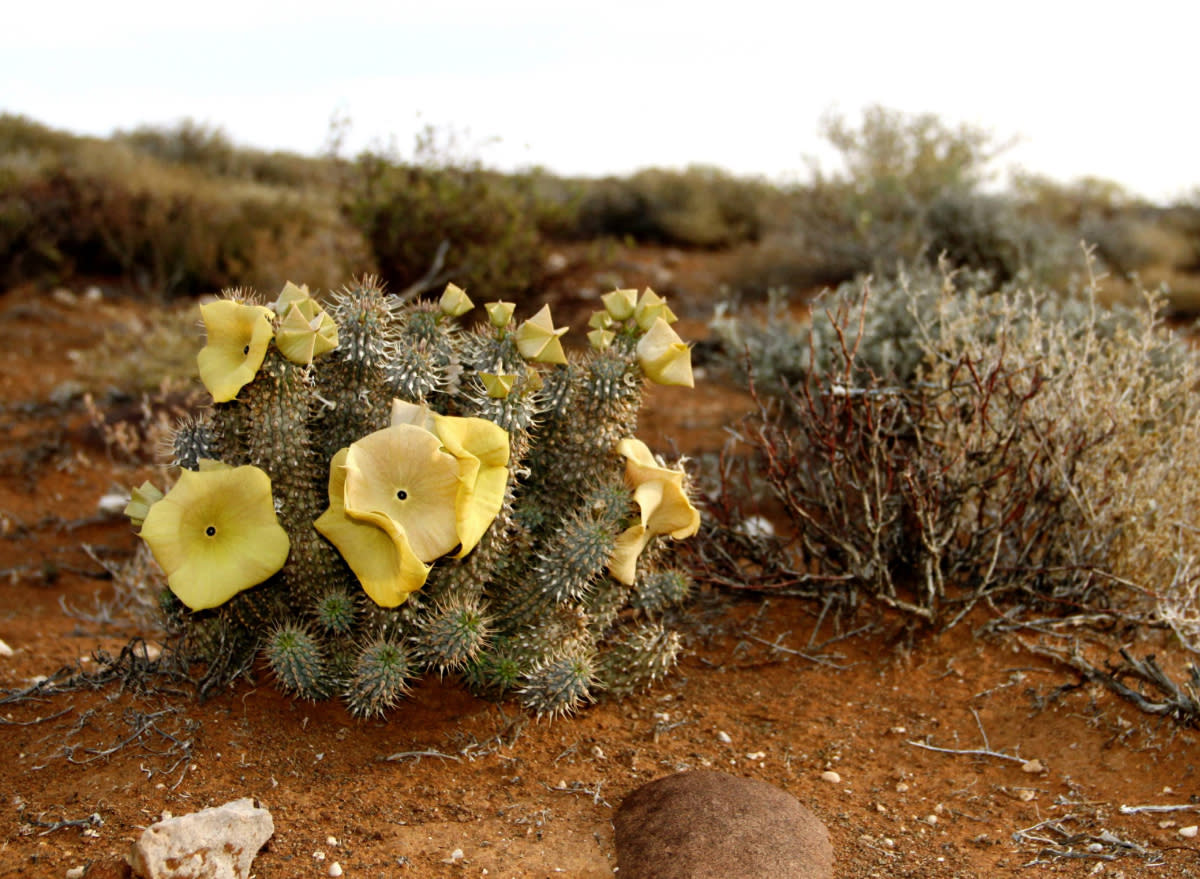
(1015, 447)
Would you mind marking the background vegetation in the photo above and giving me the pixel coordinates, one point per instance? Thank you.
(183, 211)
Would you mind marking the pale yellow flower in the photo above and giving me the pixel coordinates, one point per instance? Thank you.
(664, 507)
(538, 339)
(306, 331)
(392, 509)
(664, 357)
(238, 336)
(481, 449)
(215, 533)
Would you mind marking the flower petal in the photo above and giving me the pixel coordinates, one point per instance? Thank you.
(384, 563)
(629, 545)
(663, 504)
(238, 336)
(399, 479)
(215, 534)
(482, 451)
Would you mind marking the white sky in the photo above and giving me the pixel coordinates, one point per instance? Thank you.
(1096, 88)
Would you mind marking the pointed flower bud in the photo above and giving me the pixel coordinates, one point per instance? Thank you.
(141, 500)
(537, 339)
(497, 386)
(500, 313)
(664, 357)
(455, 301)
(620, 303)
(601, 339)
(650, 307)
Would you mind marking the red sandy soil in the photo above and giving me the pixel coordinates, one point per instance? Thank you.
(450, 785)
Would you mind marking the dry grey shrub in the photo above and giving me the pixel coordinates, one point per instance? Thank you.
(941, 443)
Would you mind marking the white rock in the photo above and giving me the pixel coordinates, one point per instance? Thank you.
(76, 872)
(335, 869)
(217, 843)
(1033, 767)
(5, 650)
(723, 737)
(830, 776)
(1189, 832)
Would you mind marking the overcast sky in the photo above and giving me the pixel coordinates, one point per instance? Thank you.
(1096, 88)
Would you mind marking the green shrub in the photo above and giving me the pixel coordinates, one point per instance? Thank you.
(408, 213)
(74, 206)
(700, 207)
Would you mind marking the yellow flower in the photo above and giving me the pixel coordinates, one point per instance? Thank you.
(215, 533)
(376, 546)
(620, 303)
(500, 313)
(664, 506)
(481, 449)
(664, 357)
(141, 500)
(238, 336)
(455, 302)
(537, 339)
(306, 331)
(651, 307)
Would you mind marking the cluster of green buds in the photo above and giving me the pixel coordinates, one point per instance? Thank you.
(377, 492)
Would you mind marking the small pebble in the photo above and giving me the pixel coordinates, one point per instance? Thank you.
(901, 787)
(76, 872)
(335, 869)
(723, 737)
(1189, 832)
(331, 841)
(5, 650)
(1033, 767)
(830, 776)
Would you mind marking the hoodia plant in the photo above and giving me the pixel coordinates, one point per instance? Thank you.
(378, 491)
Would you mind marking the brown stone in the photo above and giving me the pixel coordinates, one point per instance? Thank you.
(702, 824)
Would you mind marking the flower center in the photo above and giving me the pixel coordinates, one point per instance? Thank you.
(211, 531)
(401, 495)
